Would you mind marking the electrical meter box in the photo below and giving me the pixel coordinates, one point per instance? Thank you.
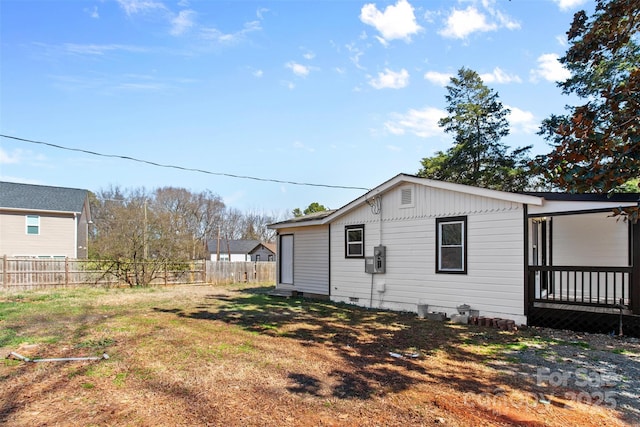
(376, 264)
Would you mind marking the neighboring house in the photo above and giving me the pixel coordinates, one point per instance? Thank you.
(241, 250)
(43, 222)
(413, 241)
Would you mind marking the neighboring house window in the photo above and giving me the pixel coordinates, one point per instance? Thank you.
(354, 241)
(257, 258)
(451, 250)
(270, 258)
(33, 224)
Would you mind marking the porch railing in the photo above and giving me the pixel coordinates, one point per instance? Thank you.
(592, 286)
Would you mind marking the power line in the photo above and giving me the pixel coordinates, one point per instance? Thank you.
(133, 159)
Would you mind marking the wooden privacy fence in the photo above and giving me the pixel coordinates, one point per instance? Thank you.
(224, 272)
(27, 273)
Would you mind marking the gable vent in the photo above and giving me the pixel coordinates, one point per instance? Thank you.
(406, 196)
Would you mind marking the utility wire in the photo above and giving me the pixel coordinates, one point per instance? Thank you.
(133, 159)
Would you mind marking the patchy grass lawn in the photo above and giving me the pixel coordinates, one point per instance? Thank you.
(204, 355)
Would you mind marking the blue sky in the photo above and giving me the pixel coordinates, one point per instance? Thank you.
(337, 93)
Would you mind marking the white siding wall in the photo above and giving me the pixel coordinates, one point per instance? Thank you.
(57, 236)
(310, 260)
(590, 240)
(495, 253)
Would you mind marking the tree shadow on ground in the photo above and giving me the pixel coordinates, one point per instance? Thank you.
(382, 351)
(385, 352)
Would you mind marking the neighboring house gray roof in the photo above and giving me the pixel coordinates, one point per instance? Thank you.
(41, 197)
(235, 246)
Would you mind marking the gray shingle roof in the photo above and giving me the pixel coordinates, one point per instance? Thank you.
(41, 197)
(235, 246)
(309, 217)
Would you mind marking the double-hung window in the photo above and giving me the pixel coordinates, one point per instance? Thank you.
(354, 241)
(451, 250)
(33, 224)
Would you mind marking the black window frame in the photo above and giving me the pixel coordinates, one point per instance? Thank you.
(348, 228)
(451, 220)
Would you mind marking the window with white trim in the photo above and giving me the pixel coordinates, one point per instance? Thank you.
(354, 241)
(451, 242)
(33, 224)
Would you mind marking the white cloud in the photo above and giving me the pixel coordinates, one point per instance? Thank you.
(93, 12)
(300, 146)
(391, 147)
(522, 121)
(355, 55)
(499, 76)
(423, 123)
(258, 73)
(298, 69)
(98, 49)
(132, 7)
(550, 69)
(566, 5)
(396, 22)
(309, 55)
(182, 22)
(461, 23)
(390, 79)
(505, 21)
(260, 12)
(231, 38)
(440, 79)
(562, 40)
(10, 158)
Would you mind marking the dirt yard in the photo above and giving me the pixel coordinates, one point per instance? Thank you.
(233, 356)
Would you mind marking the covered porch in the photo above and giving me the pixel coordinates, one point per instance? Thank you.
(583, 265)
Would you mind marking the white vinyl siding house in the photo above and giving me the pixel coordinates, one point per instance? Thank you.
(507, 254)
(495, 250)
(303, 263)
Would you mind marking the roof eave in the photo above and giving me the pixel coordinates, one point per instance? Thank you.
(460, 188)
(39, 211)
(291, 224)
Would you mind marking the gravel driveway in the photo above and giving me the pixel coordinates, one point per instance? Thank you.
(589, 368)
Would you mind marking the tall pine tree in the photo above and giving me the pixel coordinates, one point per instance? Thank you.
(478, 121)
